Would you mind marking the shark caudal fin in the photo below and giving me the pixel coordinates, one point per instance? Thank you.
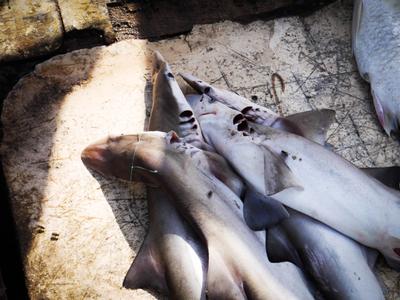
(262, 212)
(314, 124)
(146, 272)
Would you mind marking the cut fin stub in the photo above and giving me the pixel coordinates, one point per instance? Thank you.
(313, 124)
(262, 212)
(146, 272)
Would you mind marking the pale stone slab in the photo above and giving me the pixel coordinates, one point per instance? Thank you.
(86, 14)
(29, 28)
(79, 234)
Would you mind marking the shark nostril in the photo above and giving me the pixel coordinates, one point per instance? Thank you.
(246, 109)
(243, 126)
(186, 114)
(238, 118)
(191, 120)
(397, 251)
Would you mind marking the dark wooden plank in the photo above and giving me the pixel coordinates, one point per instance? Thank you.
(158, 19)
(3, 295)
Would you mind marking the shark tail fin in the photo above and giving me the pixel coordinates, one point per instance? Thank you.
(314, 124)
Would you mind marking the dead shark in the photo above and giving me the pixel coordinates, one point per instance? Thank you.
(328, 255)
(302, 175)
(159, 264)
(165, 161)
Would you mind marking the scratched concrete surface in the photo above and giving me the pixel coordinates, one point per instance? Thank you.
(79, 233)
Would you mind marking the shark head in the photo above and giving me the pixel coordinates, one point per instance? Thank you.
(133, 157)
(206, 108)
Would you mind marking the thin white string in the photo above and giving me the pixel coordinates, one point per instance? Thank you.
(133, 158)
(132, 167)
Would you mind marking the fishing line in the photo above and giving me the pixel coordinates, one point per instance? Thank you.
(132, 167)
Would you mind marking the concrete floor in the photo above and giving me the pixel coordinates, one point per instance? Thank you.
(79, 233)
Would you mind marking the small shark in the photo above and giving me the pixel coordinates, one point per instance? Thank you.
(166, 161)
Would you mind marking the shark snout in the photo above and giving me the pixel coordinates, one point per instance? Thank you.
(95, 156)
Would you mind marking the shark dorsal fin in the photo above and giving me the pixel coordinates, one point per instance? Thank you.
(146, 271)
(277, 174)
(314, 124)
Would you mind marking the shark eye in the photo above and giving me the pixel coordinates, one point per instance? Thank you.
(397, 251)
(211, 100)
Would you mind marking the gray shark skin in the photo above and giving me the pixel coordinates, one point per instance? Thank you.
(307, 177)
(376, 47)
(338, 264)
(165, 161)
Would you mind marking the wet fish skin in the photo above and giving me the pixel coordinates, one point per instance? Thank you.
(360, 207)
(241, 252)
(376, 47)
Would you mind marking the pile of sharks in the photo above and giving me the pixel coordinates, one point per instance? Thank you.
(246, 204)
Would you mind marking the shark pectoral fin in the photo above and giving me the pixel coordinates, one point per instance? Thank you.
(280, 248)
(277, 175)
(145, 272)
(314, 124)
(389, 176)
(262, 212)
